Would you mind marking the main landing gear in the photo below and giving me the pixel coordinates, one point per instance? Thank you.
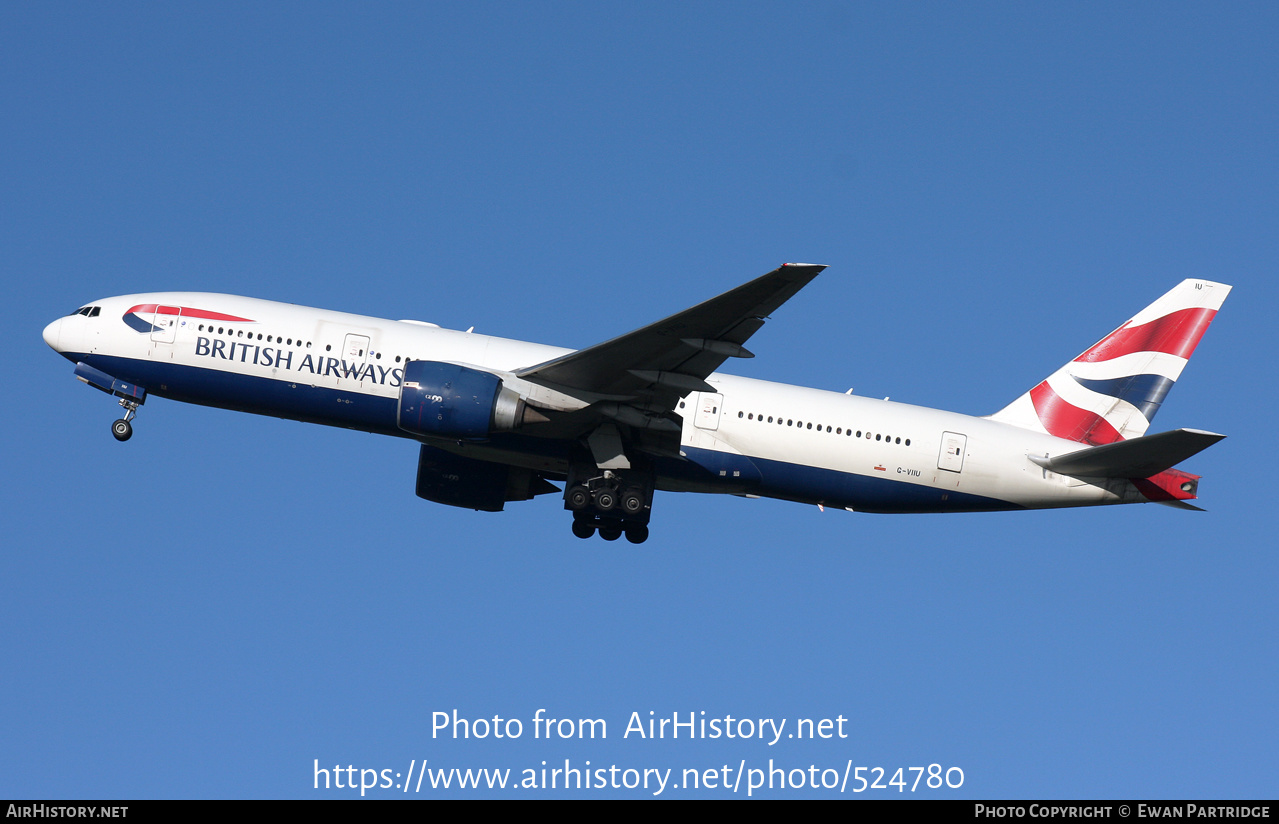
(122, 429)
(613, 503)
(610, 529)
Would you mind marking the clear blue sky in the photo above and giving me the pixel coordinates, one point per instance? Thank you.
(206, 610)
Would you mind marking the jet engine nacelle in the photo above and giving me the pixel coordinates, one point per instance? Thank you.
(445, 400)
(470, 483)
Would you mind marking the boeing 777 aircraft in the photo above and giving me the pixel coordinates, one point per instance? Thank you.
(497, 420)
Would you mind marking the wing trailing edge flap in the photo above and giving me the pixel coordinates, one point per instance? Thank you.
(660, 363)
(1134, 458)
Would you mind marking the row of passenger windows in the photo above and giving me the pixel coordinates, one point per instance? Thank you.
(838, 430)
(276, 339)
(239, 333)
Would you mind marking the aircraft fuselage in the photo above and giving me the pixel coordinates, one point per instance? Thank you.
(753, 437)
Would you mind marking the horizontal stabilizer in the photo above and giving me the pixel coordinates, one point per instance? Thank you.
(1175, 504)
(1134, 458)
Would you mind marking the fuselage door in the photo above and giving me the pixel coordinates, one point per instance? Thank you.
(164, 323)
(951, 457)
(708, 409)
(355, 349)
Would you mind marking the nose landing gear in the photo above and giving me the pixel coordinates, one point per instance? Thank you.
(122, 429)
(130, 394)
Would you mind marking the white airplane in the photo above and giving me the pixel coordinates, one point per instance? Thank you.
(498, 419)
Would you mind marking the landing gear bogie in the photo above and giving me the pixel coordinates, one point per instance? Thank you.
(611, 502)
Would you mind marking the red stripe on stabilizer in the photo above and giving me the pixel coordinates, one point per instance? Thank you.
(1065, 420)
(151, 308)
(1166, 486)
(1176, 333)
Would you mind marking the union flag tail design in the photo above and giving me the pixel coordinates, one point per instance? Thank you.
(1112, 391)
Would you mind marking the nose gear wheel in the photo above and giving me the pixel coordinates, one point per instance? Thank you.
(122, 429)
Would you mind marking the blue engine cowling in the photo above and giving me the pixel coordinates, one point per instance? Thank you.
(470, 483)
(445, 400)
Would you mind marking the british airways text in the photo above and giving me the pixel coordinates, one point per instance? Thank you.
(284, 359)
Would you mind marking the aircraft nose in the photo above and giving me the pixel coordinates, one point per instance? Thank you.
(52, 334)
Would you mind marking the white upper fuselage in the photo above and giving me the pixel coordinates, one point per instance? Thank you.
(346, 370)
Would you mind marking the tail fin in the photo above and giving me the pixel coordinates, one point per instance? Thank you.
(1112, 391)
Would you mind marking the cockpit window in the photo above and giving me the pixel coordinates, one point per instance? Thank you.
(88, 311)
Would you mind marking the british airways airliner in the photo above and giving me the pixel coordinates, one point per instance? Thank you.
(498, 420)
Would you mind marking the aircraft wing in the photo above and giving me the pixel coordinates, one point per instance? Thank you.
(656, 365)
